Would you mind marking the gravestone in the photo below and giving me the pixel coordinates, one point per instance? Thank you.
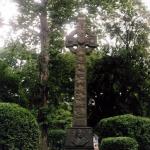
(81, 42)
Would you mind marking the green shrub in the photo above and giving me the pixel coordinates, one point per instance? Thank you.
(119, 143)
(18, 128)
(56, 138)
(126, 125)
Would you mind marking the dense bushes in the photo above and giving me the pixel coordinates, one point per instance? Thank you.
(18, 128)
(119, 143)
(126, 125)
(56, 138)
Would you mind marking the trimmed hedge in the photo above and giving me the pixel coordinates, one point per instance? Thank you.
(119, 143)
(126, 125)
(18, 128)
(56, 138)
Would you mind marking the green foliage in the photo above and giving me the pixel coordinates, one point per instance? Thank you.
(61, 117)
(18, 74)
(111, 5)
(58, 12)
(61, 10)
(126, 125)
(119, 81)
(119, 85)
(119, 143)
(18, 128)
(8, 83)
(61, 81)
(124, 21)
(92, 59)
(56, 138)
(58, 120)
(15, 54)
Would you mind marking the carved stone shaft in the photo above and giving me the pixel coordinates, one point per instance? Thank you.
(80, 93)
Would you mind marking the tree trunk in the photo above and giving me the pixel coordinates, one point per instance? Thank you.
(43, 73)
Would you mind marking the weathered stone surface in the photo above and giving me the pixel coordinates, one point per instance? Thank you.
(83, 41)
(79, 139)
(80, 42)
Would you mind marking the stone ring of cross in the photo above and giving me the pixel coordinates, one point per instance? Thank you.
(81, 38)
(75, 41)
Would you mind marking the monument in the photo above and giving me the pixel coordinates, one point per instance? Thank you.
(81, 42)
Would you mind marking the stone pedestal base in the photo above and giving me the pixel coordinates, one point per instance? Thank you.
(79, 138)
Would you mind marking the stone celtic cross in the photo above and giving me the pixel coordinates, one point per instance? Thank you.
(81, 41)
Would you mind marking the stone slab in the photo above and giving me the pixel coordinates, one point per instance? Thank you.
(79, 138)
